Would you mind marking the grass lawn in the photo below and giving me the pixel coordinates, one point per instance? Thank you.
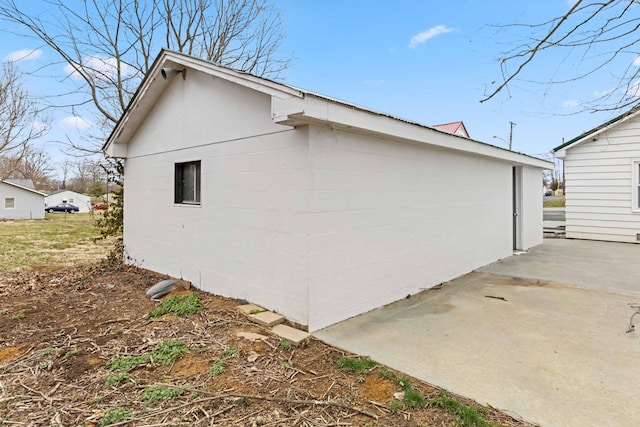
(58, 240)
(555, 203)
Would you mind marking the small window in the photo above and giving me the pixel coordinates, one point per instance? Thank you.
(187, 183)
(9, 203)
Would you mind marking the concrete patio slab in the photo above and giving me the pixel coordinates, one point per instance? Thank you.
(554, 354)
(589, 264)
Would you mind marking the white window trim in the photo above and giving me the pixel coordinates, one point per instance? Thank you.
(635, 185)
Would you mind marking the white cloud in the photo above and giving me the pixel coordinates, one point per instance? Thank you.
(75, 122)
(100, 68)
(429, 34)
(601, 93)
(23, 55)
(38, 126)
(571, 103)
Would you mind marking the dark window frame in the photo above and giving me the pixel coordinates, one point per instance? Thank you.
(187, 183)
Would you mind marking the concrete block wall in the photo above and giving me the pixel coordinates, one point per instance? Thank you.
(247, 239)
(388, 219)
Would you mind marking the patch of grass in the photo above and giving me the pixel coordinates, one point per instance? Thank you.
(285, 345)
(180, 305)
(229, 352)
(3, 312)
(413, 398)
(19, 315)
(560, 202)
(255, 311)
(468, 416)
(360, 365)
(116, 415)
(165, 353)
(153, 395)
(47, 351)
(58, 240)
(127, 363)
(386, 374)
(71, 353)
(114, 380)
(219, 367)
(395, 405)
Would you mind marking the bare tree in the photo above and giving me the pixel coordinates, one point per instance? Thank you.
(592, 37)
(109, 45)
(20, 120)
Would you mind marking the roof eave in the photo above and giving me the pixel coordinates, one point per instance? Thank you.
(318, 110)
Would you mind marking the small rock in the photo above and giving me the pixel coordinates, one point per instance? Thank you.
(251, 336)
(253, 356)
(399, 395)
(160, 289)
(110, 286)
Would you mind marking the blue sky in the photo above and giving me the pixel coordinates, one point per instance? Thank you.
(427, 61)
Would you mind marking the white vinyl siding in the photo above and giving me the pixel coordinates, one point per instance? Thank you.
(602, 185)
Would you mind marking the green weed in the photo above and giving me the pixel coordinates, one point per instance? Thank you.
(46, 351)
(165, 353)
(468, 416)
(19, 315)
(386, 374)
(395, 405)
(127, 363)
(229, 352)
(71, 353)
(116, 415)
(180, 305)
(116, 379)
(153, 395)
(359, 365)
(219, 367)
(3, 312)
(285, 345)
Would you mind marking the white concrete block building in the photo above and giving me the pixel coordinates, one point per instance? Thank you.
(82, 201)
(602, 181)
(18, 201)
(309, 206)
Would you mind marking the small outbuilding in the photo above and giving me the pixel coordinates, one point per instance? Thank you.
(20, 200)
(309, 206)
(82, 201)
(602, 181)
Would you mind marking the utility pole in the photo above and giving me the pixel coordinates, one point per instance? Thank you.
(511, 134)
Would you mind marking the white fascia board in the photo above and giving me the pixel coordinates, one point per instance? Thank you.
(313, 110)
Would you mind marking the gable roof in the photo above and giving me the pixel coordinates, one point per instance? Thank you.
(597, 130)
(26, 183)
(62, 190)
(456, 128)
(13, 183)
(295, 107)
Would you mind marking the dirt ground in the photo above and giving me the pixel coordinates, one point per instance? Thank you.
(60, 327)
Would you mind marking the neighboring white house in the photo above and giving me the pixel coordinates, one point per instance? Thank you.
(20, 200)
(602, 181)
(309, 206)
(57, 197)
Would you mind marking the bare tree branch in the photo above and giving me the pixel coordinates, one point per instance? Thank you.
(598, 38)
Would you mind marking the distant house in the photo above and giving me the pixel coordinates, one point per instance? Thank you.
(602, 181)
(312, 207)
(456, 128)
(20, 200)
(57, 197)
